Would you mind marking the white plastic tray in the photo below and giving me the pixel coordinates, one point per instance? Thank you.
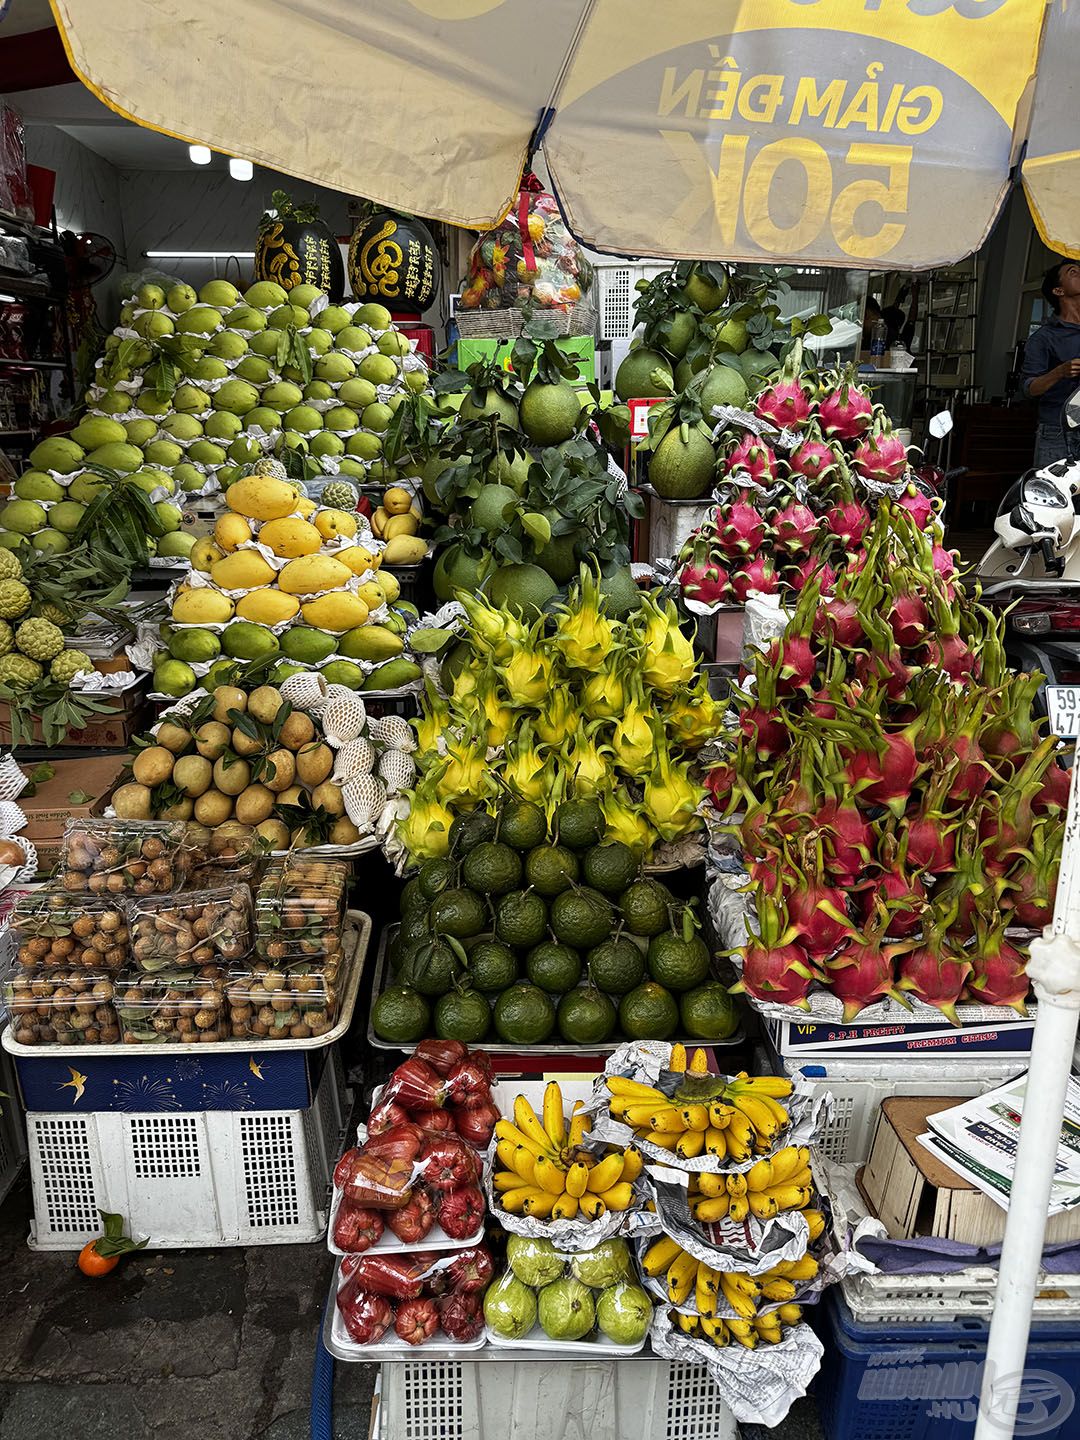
(355, 920)
(390, 1347)
(389, 1244)
(536, 1340)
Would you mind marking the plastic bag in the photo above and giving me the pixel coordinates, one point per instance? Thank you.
(529, 260)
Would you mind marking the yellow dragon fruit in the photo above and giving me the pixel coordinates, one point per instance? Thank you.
(604, 694)
(583, 636)
(632, 742)
(585, 762)
(493, 630)
(558, 719)
(465, 776)
(527, 674)
(667, 659)
(671, 797)
(465, 684)
(692, 716)
(432, 722)
(425, 831)
(527, 773)
(497, 719)
(625, 822)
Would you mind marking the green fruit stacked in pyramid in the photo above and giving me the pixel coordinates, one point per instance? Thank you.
(284, 576)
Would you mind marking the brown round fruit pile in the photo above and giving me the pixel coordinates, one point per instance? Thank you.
(177, 1009)
(64, 1007)
(116, 857)
(52, 929)
(299, 909)
(279, 1004)
(202, 928)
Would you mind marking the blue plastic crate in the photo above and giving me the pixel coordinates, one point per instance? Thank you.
(262, 1079)
(922, 1382)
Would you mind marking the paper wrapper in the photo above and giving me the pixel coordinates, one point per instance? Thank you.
(574, 1236)
(759, 1386)
(646, 1061)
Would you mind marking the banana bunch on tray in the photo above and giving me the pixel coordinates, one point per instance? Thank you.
(547, 1174)
(731, 1120)
(776, 1182)
(689, 1280)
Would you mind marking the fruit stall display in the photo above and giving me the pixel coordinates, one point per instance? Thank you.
(282, 575)
(529, 931)
(577, 703)
(260, 767)
(193, 387)
(900, 811)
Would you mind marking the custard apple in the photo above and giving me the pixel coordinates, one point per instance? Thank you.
(7, 638)
(68, 664)
(19, 671)
(270, 466)
(340, 495)
(14, 599)
(10, 568)
(58, 614)
(40, 639)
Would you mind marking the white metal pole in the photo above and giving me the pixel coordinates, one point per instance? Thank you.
(1054, 969)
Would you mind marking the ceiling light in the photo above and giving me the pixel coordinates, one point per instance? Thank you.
(241, 169)
(200, 254)
(200, 154)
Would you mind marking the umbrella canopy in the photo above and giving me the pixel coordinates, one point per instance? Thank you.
(835, 132)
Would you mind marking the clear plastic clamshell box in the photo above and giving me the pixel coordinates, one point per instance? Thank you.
(51, 928)
(297, 1001)
(183, 1007)
(59, 1006)
(124, 857)
(192, 929)
(298, 910)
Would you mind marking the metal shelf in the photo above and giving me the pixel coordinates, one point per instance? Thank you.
(10, 363)
(6, 434)
(22, 288)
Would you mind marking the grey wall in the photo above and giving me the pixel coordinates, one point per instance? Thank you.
(1001, 278)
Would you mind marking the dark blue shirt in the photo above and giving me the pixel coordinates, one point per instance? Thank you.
(1052, 344)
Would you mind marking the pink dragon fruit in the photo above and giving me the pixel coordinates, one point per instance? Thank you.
(840, 620)
(909, 620)
(795, 664)
(775, 967)
(953, 655)
(944, 560)
(845, 413)
(756, 458)
(795, 527)
(739, 527)
(860, 974)
(935, 972)
(710, 584)
(784, 404)
(885, 773)
(998, 970)
(919, 506)
(756, 575)
(903, 895)
(813, 460)
(766, 732)
(1053, 798)
(889, 669)
(819, 916)
(882, 456)
(849, 522)
(812, 568)
(848, 840)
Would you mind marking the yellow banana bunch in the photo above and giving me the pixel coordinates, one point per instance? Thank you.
(546, 1174)
(768, 1328)
(804, 1268)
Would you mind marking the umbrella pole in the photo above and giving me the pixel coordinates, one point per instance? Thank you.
(1054, 969)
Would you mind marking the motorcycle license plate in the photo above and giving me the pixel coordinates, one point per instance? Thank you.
(1063, 707)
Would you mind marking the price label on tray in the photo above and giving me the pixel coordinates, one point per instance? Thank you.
(1063, 708)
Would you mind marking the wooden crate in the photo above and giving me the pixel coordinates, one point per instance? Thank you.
(913, 1193)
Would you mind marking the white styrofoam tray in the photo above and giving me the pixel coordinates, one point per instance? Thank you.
(389, 1244)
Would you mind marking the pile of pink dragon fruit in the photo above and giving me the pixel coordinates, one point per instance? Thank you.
(900, 815)
(786, 514)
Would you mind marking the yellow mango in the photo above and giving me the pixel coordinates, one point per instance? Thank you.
(267, 607)
(305, 507)
(359, 559)
(312, 573)
(378, 522)
(231, 530)
(331, 523)
(261, 497)
(290, 537)
(203, 554)
(404, 550)
(342, 611)
(371, 594)
(202, 607)
(397, 500)
(389, 585)
(400, 525)
(242, 570)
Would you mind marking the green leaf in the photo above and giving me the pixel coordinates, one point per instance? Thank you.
(79, 797)
(537, 527)
(42, 772)
(429, 641)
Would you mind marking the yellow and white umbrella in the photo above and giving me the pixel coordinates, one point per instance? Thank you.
(837, 132)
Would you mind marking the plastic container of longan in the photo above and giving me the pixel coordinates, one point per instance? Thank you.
(61, 1006)
(191, 929)
(51, 928)
(299, 911)
(179, 1007)
(124, 857)
(283, 1002)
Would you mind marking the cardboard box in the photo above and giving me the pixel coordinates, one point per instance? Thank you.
(49, 809)
(805, 1040)
(913, 1193)
(112, 729)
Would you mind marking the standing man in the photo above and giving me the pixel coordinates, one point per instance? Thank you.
(1052, 365)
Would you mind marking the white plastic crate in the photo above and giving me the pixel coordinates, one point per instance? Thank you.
(200, 1178)
(659, 1399)
(12, 1134)
(939, 1299)
(615, 294)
